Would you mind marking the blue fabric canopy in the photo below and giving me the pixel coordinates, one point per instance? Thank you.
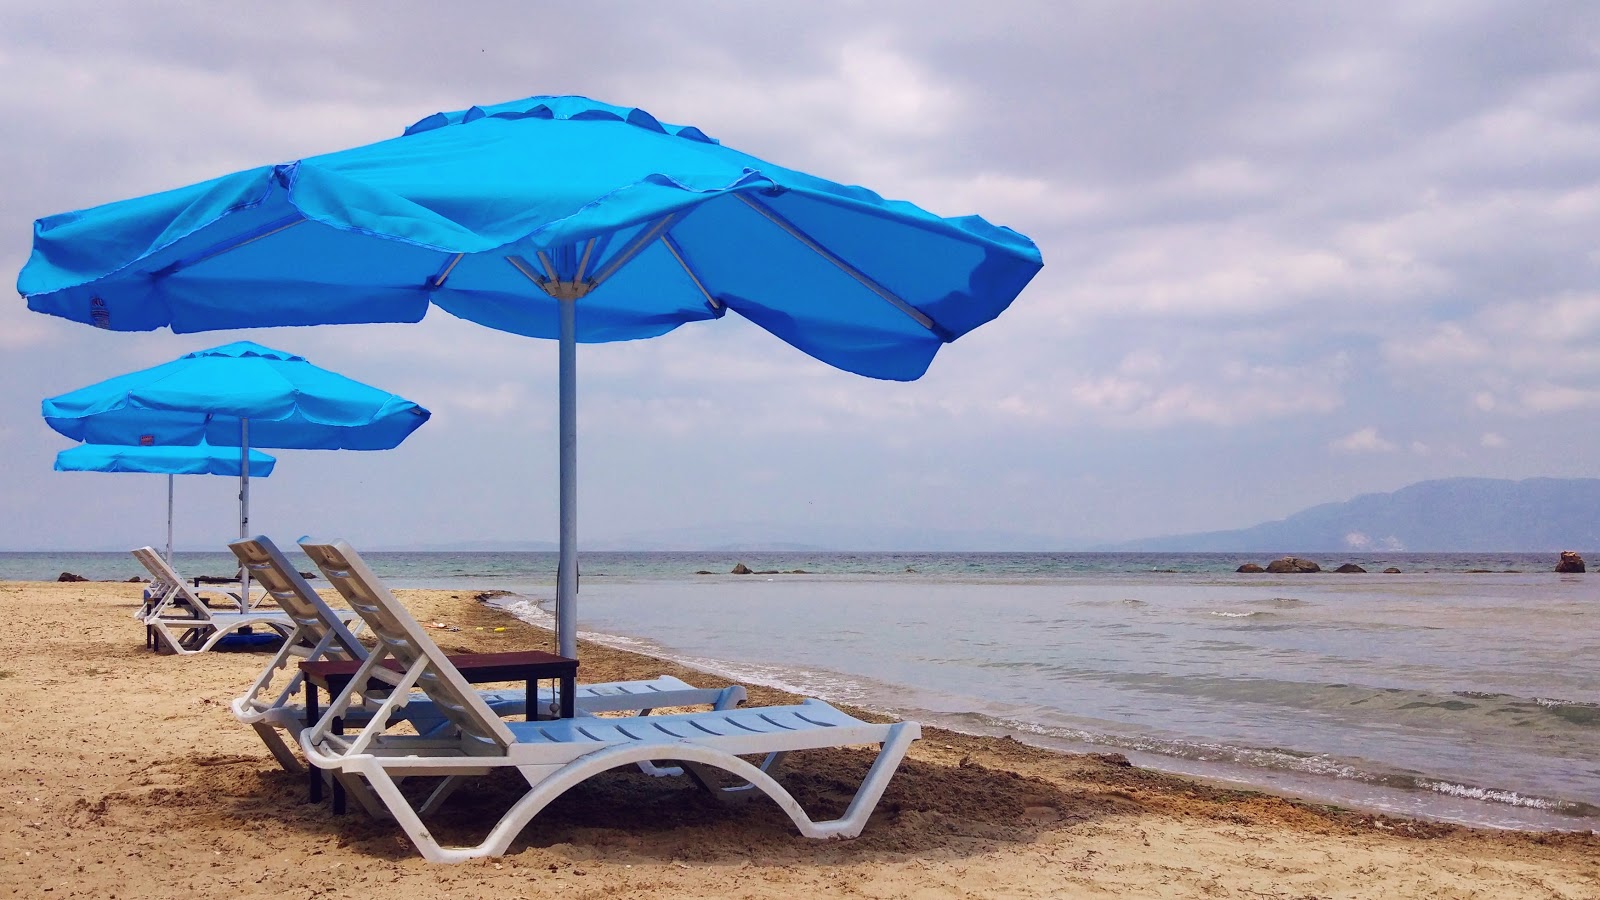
(487, 211)
(202, 396)
(199, 459)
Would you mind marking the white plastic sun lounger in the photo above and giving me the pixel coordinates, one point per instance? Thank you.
(553, 756)
(177, 617)
(320, 634)
(159, 593)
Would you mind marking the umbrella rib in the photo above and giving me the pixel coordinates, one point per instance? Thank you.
(773, 216)
(215, 250)
(677, 254)
(449, 267)
(521, 265)
(583, 264)
(629, 252)
(549, 269)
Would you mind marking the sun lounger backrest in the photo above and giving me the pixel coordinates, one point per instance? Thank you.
(399, 633)
(163, 573)
(271, 569)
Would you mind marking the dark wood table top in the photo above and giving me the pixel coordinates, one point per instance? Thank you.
(515, 665)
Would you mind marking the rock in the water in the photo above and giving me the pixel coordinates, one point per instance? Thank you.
(1391, 571)
(68, 576)
(1250, 568)
(136, 580)
(1570, 562)
(741, 569)
(1351, 567)
(1292, 564)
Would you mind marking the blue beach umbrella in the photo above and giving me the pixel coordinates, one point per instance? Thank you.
(238, 395)
(553, 217)
(198, 459)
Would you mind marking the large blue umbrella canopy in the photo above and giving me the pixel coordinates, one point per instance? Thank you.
(202, 396)
(555, 217)
(661, 224)
(198, 459)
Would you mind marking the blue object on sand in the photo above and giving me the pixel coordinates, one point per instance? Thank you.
(554, 217)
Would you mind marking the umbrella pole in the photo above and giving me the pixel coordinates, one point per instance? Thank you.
(567, 571)
(244, 507)
(169, 518)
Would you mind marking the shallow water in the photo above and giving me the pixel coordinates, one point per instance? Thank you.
(1445, 692)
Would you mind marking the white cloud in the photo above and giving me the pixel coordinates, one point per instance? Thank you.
(1365, 440)
(1492, 440)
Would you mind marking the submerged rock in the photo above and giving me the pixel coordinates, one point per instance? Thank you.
(1292, 564)
(1250, 568)
(68, 576)
(1570, 562)
(1351, 568)
(1391, 571)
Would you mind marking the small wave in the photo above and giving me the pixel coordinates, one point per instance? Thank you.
(1281, 602)
(1509, 798)
(1254, 614)
(1283, 759)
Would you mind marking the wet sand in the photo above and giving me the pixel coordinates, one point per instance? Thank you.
(128, 777)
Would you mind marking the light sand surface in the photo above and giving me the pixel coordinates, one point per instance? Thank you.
(126, 776)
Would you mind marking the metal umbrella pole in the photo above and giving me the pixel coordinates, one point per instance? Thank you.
(244, 507)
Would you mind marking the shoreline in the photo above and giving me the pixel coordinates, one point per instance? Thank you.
(129, 777)
(1429, 801)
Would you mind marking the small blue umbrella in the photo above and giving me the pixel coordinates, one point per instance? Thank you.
(237, 395)
(555, 217)
(198, 459)
(206, 396)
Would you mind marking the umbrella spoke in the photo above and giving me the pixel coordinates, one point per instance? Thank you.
(794, 231)
(234, 243)
(640, 241)
(438, 280)
(677, 254)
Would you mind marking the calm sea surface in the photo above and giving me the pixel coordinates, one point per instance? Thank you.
(1466, 688)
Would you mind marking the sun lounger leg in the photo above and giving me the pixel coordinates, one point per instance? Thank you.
(357, 787)
(280, 750)
(440, 794)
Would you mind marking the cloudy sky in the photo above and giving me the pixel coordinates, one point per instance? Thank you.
(1293, 253)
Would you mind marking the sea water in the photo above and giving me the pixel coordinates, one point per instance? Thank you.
(1466, 688)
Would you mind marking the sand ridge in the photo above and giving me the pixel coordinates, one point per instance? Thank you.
(128, 777)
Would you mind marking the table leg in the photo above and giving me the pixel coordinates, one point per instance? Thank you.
(311, 719)
(569, 696)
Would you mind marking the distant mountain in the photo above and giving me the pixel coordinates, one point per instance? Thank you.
(1452, 514)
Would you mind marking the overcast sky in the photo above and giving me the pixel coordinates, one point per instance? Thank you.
(1293, 253)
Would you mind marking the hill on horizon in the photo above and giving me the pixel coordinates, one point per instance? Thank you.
(1439, 516)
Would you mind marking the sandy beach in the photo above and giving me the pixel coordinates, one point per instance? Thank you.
(127, 777)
